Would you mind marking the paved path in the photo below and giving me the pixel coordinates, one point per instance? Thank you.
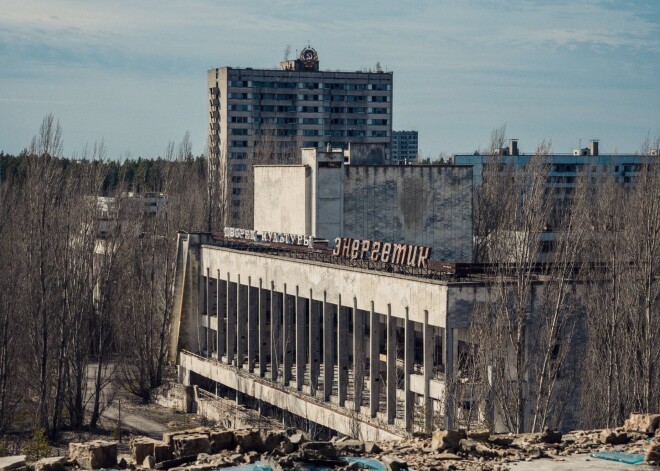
(136, 423)
(133, 421)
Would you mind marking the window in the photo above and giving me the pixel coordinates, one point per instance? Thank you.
(380, 87)
(239, 132)
(236, 191)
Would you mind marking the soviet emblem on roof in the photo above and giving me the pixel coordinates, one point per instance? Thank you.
(309, 57)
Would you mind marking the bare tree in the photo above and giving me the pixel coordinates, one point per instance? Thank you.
(521, 349)
(150, 262)
(623, 300)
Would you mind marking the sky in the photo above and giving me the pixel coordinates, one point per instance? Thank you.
(133, 73)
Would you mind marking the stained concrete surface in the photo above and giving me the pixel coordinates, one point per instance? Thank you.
(577, 462)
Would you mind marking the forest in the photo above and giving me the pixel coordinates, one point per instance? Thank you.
(69, 298)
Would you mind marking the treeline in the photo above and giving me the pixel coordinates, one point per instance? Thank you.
(138, 176)
(574, 341)
(82, 316)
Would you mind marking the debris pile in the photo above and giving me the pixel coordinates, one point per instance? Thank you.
(206, 448)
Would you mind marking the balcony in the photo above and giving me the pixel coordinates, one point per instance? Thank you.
(214, 114)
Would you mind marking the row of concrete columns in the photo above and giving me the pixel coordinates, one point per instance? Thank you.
(300, 327)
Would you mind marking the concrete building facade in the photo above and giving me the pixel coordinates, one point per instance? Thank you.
(354, 348)
(265, 115)
(350, 349)
(428, 205)
(565, 168)
(405, 146)
(564, 172)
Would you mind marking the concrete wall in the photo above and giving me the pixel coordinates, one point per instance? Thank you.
(298, 404)
(282, 198)
(386, 290)
(426, 205)
(327, 188)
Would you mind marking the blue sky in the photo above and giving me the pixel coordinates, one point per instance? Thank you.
(134, 73)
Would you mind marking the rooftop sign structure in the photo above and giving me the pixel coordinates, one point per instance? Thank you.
(398, 254)
(268, 236)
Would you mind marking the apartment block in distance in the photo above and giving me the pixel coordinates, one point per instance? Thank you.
(265, 116)
(404, 146)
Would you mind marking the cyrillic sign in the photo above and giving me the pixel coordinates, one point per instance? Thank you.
(386, 252)
(268, 236)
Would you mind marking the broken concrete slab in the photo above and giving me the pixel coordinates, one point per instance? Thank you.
(8, 463)
(56, 463)
(94, 455)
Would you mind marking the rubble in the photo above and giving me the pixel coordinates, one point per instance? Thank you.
(652, 455)
(56, 463)
(204, 448)
(94, 455)
(614, 437)
(447, 439)
(645, 423)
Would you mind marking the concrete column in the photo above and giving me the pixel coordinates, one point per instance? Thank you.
(448, 355)
(232, 303)
(288, 336)
(275, 311)
(428, 371)
(301, 334)
(263, 333)
(241, 322)
(207, 313)
(408, 361)
(314, 343)
(358, 355)
(391, 366)
(252, 325)
(342, 352)
(374, 361)
(183, 375)
(222, 316)
(328, 341)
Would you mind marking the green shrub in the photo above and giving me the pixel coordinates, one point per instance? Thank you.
(37, 447)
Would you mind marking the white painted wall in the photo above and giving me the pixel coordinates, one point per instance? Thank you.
(282, 198)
